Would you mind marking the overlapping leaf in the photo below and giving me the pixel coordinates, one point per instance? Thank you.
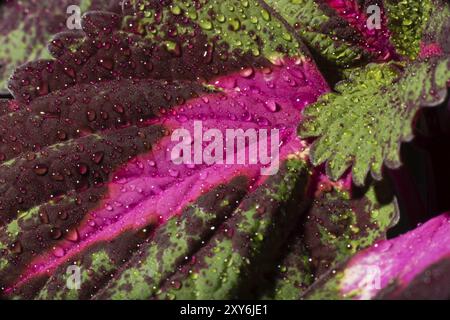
(342, 221)
(160, 41)
(363, 124)
(26, 27)
(412, 266)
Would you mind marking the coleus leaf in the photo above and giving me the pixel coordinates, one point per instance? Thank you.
(27, 26)
(407, 22)
(412, 266)
(387, 99)
(342, 220)
(89, 176)
(131, 202)
(192, 46)
(80, 111)
(363, 124)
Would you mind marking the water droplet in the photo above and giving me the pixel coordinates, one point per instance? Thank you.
(287, 36)
(43, 217)
(235, 24)
(221, 18)
(174, 173)
(91, 115)
(55, 233)
(119, 108)
(72, 235)
(61, 135)
(272, 106)
(58, 252)
(263, 121)
(227, 83)
(170, 296)
(62, 215)
(246, 72)
(176, 10)
(16, 247)
(296, 72)
(176, 284)
(70, 72)
(265, 14)
(82, 168)
(57, 176)
(206, 24)
(30, 156)
(40, 169)
(97, 157)
(106, 63)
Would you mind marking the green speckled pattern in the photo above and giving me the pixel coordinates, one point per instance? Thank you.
(364, 123)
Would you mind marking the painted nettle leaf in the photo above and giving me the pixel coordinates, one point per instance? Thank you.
(342, 220)
(412, 266)
(172, 149)
(363, 123)
(89, 181)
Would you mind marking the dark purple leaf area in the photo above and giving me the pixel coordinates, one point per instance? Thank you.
(35, 22)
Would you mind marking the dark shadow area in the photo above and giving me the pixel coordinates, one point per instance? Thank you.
(422, 183)
(6, 96)
(329, 70)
